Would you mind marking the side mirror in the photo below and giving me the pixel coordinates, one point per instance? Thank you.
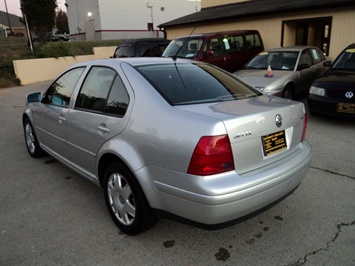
(327, 63)
(208, 53)
(34, 97)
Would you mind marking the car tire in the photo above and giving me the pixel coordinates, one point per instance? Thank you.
(32, 143)
(125, 201)
(288, 92)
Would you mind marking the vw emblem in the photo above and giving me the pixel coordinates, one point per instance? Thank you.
(349, 94)
(278, 120)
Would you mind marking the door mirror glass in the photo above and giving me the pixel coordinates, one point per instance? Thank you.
(34, 97)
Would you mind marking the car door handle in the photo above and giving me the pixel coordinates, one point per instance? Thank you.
(61, 119)
(103, 129)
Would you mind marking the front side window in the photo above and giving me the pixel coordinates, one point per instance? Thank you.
(305, 60)
(317, 55)
(183, 47)
(214, 44)
(60, 92)
(182, 84)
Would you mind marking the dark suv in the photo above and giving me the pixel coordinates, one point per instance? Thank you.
(152, 47)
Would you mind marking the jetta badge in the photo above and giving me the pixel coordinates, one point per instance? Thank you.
(349, 94)
(278, 120)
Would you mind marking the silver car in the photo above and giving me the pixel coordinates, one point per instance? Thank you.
(284, 72)
(164, 136)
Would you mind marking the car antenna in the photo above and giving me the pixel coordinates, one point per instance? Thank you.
(186, 39)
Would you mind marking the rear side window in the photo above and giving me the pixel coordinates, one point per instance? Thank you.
(253, 41)
(235, 43)
(182, 84)
(118, 99)
(103, 91)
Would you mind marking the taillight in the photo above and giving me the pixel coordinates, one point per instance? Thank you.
(304, 127)
(212, 155)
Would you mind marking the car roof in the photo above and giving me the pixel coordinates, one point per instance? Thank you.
(350, 46)
(131, 41)
(135, 61)
(220, 33)
(296, 48)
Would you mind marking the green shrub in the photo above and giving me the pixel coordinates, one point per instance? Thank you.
(59, 49)
(53, 49)
(8, 77)
(14, 48)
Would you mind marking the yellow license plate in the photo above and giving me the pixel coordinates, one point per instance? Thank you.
(274, 143)
(348, 108)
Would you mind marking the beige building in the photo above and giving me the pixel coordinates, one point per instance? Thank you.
(327, 24)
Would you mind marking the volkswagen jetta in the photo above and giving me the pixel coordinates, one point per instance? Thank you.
(164, 136)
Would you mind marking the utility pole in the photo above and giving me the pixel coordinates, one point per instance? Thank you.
(27, 28)
(8, 18)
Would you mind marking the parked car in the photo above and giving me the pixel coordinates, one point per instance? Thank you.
(52, 37)
(333, 93)
(229, 50)
(164, 136)
(59, 37)
(149, 47)
(284, 72)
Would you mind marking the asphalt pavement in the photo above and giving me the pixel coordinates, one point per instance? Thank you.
(51, 216)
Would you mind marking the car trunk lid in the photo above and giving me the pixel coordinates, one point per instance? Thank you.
(261, 129)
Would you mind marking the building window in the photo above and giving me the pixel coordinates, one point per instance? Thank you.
(150, 26)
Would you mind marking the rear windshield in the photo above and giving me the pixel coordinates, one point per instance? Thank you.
(125, 50)
(182, 84)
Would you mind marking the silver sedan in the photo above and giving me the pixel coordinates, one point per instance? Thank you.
(164, 136)
(284, 72)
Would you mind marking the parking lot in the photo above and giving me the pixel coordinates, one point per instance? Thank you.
(51, 216)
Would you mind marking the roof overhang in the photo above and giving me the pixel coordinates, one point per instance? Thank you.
(255, 8)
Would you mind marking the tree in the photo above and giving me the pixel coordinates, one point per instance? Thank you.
(40, 16)
(61, 22)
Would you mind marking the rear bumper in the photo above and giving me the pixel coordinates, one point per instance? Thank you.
(229, 196)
